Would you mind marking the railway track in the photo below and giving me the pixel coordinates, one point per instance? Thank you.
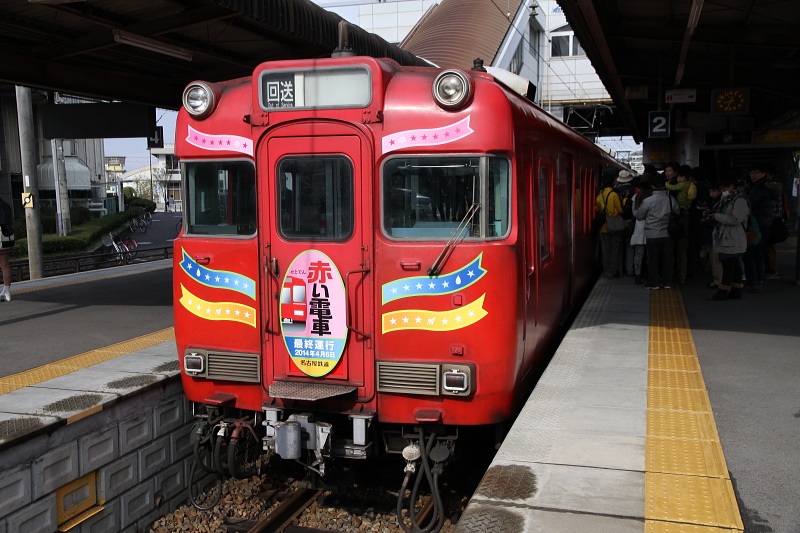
(280, 519)
(276, 500)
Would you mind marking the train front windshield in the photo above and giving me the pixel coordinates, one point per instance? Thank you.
(429, 197)
(221, 198)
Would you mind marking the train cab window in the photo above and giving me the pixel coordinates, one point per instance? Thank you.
(221, 198)
(316, 198)
(436, 198)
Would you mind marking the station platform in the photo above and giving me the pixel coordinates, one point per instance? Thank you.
(661, 411)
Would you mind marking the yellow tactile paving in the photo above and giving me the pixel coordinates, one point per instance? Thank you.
(687, 457)
(672, 348)
(71, 364)
(691, 499)
(670, 334)
(673, 362)
(681, 425)
(657, 526)
(687, 484)
(674, 399)
(675, 379)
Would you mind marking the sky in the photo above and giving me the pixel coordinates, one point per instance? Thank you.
(135, 149)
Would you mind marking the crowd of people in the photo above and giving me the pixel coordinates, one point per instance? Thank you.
(664, 227)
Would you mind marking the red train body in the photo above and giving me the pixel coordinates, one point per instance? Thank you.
(366, 254)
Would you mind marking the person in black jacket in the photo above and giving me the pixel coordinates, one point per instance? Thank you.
(762, 206)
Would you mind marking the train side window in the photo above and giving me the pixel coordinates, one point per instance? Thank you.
(544, 213)
(315, 198)
(430, 197)
(221, 198)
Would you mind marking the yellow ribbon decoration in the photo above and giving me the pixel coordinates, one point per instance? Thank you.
(434, 320)
(230, 311)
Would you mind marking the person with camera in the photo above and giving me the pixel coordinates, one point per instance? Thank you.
(730, 239)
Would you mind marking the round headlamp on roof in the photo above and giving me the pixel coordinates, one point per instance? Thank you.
(452, 89)
(199, 100)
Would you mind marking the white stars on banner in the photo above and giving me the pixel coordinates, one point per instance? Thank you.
(217, 310)
(434, 320)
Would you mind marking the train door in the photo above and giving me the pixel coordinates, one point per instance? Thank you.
(530, 266)
(317, 252)
(568, 216)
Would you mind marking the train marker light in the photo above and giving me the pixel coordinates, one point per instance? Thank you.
(198, 99)
(455, 381)
(193, 363)
(451, 89)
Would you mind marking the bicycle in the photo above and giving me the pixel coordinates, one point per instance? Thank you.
(179, 226)
(122, 253)
(131, 245)
(137, 222)
(148, 217)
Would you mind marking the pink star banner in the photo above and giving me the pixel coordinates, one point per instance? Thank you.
(220, 143)
(429, 137)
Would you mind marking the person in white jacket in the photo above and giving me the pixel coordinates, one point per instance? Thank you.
(655, 211)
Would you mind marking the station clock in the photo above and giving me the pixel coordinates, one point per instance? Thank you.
(731, 101)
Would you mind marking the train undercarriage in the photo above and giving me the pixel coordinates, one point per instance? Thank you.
(235, 443)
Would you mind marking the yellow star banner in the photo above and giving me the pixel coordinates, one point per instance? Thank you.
(434, 320)
(217, 310)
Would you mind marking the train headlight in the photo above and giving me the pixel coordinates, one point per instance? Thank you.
(451, 89)
(198, 99)
(193, 363)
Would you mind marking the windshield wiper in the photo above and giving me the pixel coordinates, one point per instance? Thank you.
(457, 236)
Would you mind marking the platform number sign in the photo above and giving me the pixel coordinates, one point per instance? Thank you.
(659, 124)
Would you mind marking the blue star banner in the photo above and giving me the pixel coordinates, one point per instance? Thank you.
(218, 279)
(427, 286)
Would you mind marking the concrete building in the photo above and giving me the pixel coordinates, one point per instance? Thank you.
(157, 181)
(84, 174)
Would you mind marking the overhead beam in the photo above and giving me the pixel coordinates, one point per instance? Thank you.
(94, 83)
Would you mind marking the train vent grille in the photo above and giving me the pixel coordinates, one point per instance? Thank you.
(408, 378)
(234, 366)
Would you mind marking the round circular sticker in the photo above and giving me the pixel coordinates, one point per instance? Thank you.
(313, 313)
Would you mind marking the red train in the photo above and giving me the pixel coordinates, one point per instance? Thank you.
(373, 254)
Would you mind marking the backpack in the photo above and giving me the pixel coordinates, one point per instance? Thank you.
(6, 217)
(752, 230)
(627, 208)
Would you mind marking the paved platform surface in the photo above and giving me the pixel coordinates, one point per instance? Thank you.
(661, 411)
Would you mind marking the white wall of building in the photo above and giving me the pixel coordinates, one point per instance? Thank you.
(567, 78)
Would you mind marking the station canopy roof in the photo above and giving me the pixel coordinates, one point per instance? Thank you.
(147, 51)
(641, 49)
